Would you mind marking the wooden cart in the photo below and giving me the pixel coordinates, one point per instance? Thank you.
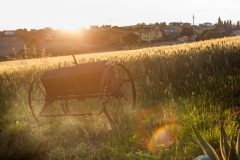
(99, 80)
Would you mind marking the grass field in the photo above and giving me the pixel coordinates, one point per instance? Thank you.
(181, 86)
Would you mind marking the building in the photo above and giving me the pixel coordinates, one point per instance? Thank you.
(236, 33)
(173, 30)
(175, 24)
(150, 34)
(183, 39)
(198, 30)
(94, 27)
(9, 33)
(106, 27)
(186, 25)
(206, 25)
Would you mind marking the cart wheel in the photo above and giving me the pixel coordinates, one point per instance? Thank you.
(37, 97)
(118, 93)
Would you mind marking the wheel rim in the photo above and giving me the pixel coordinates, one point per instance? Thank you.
(118, 94)
(36, 97)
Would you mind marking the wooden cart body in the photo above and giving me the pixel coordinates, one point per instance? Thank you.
(88, 80)
(76, 81)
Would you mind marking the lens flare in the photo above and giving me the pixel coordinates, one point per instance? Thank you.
(157, 127)
(162, 138)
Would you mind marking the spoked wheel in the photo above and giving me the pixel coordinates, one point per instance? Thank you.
(41, 106)
(37, 97)
(118, 94)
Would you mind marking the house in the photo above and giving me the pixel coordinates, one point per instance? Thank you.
(94, 27)
(149, 34)
(9, 32)
(168, 31)
(175, 24)
(186, 25)
(234, 27)
(106, 27)
(183, 39)
(236, 33)
(198, 30)
(174, 28)
(206, 25)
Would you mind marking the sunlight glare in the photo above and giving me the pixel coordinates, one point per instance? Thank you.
(157, 127)
(163, 137)
(71, 29)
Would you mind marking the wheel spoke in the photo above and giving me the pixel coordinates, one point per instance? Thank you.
(121, 92)
(41, 90)
(127, 99)
(117, 110)
(46, 105)
(107, 99)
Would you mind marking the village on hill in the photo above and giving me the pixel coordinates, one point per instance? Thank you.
(23, 43)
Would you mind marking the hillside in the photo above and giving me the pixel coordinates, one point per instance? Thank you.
(180, 86)
(197, 47)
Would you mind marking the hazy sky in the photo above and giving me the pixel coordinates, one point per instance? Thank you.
(71, 14)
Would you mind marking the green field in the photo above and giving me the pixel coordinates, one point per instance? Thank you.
(180, 86)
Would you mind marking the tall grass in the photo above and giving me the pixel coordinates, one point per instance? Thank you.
(180, 86)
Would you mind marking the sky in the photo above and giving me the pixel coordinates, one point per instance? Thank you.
(73, 14)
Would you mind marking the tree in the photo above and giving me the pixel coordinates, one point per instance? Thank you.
(229, 28)
(212, 33)
(32, 37)
(220, 21)
(220, 24)
(187, 31)
(130, 39)
(163, 26)
(1, 34)
(238, 25)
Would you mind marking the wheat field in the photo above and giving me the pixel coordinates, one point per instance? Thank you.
(178, 87)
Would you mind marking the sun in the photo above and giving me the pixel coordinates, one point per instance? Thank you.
(71, 28)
